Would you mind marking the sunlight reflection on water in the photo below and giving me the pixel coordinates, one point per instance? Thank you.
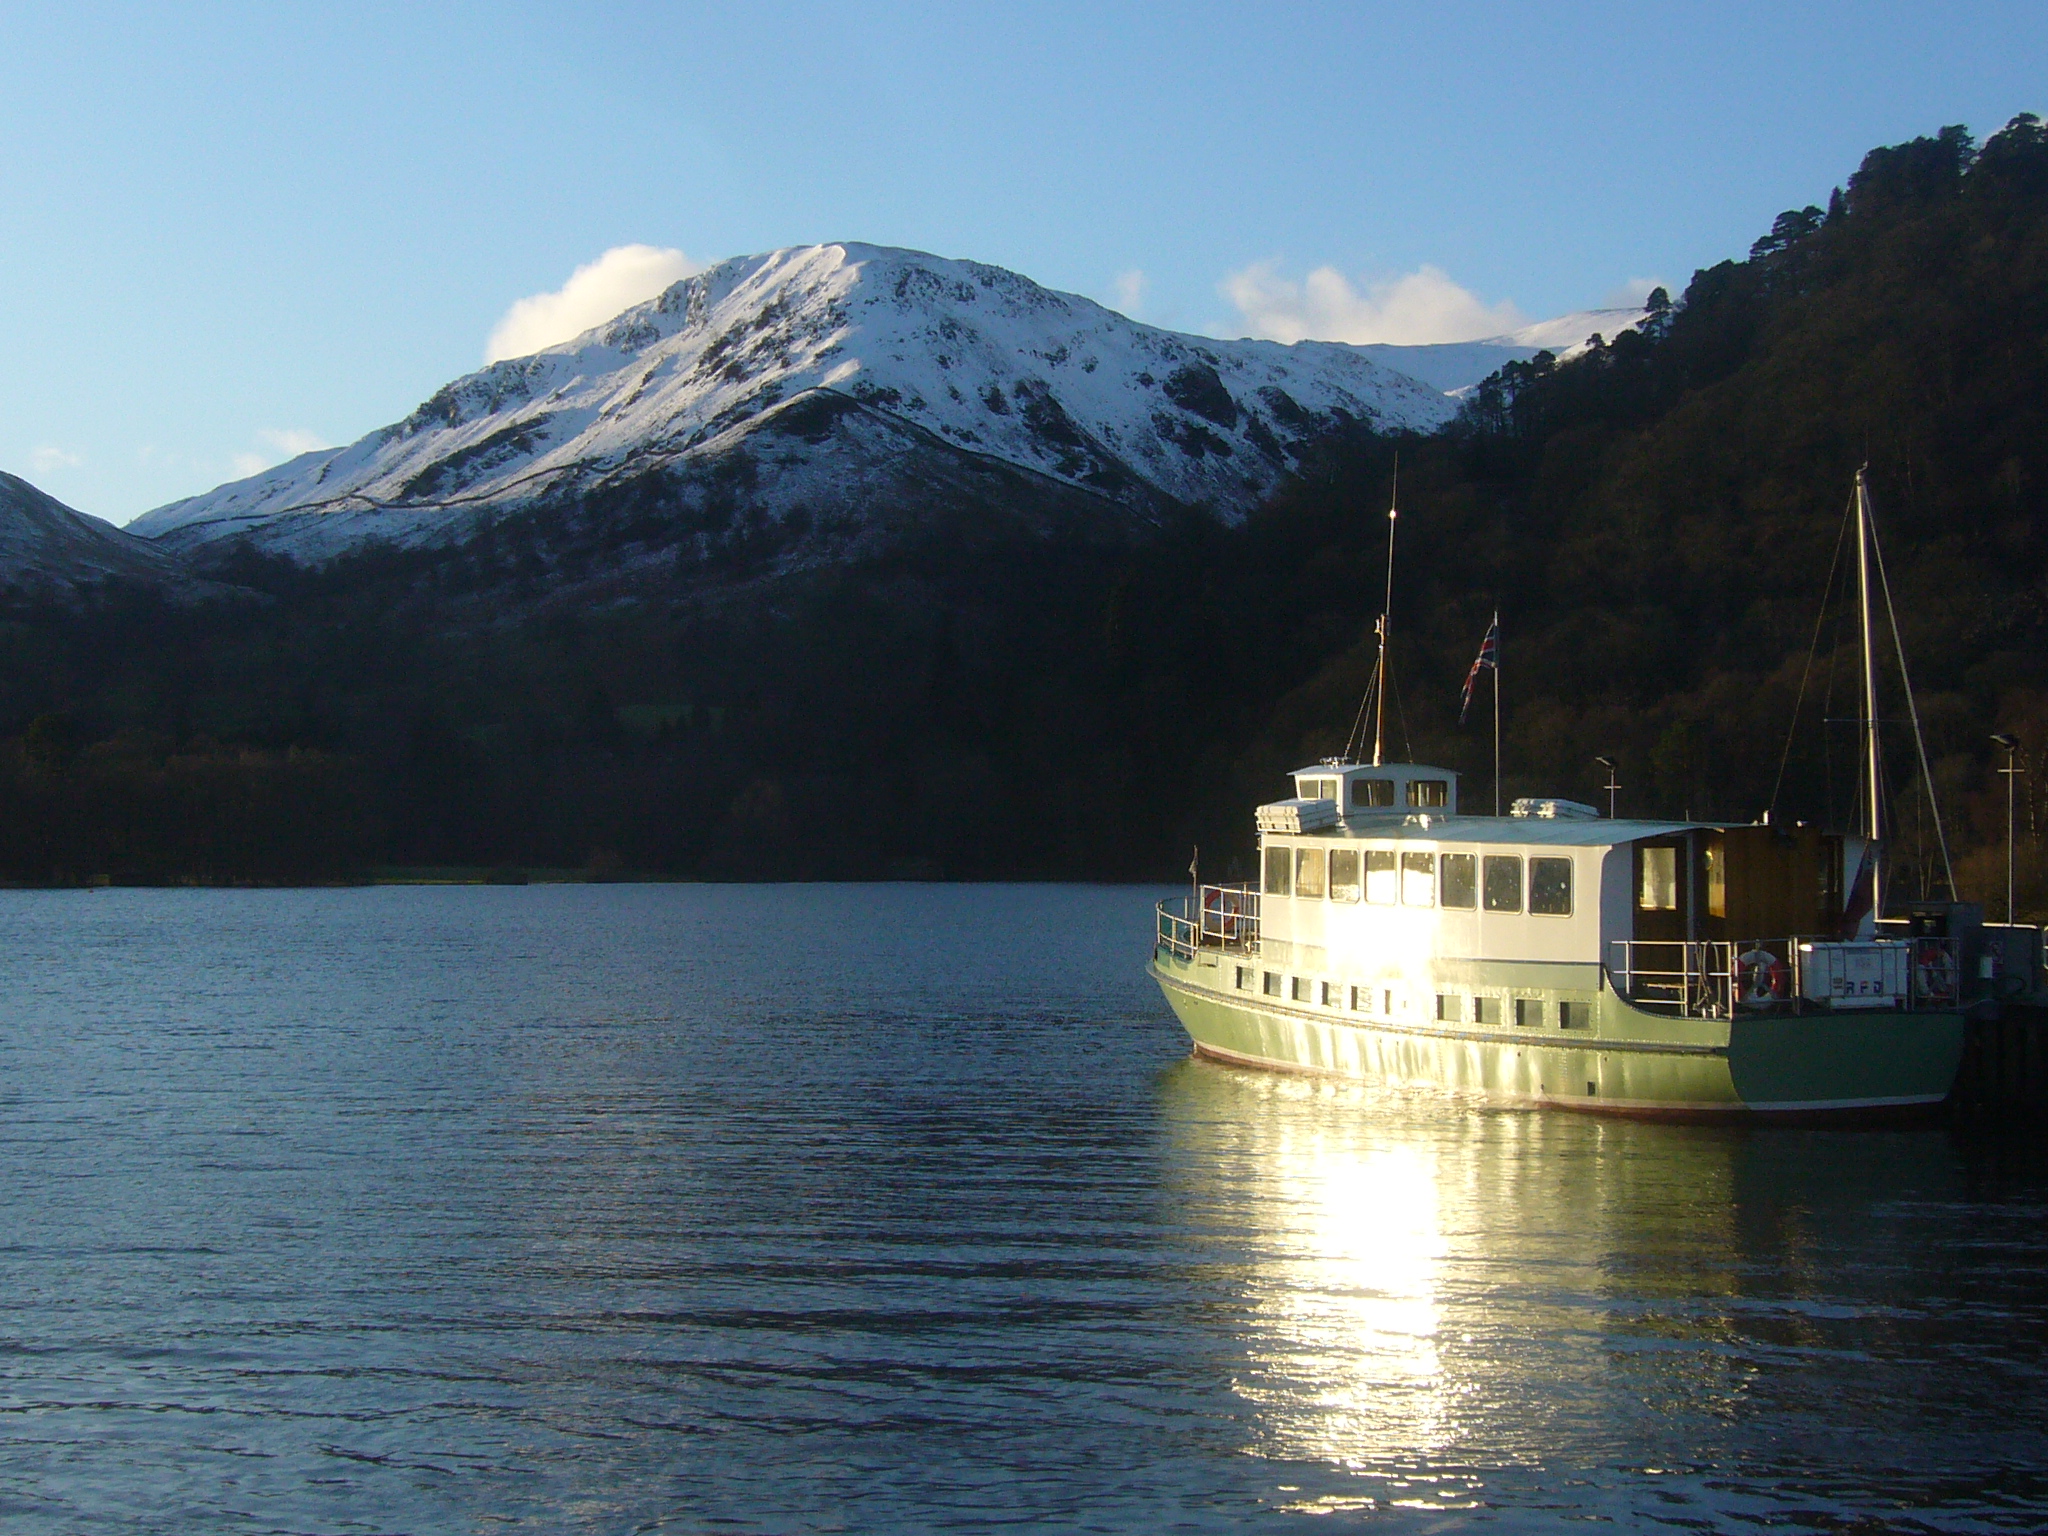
(1470, 1309)
(1343, 1360)
(903, 1208)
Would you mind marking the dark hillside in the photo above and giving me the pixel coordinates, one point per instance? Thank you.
(1656, 518)
(998, 695)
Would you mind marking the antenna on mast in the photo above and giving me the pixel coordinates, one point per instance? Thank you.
(1379, 724)
(1375, 700)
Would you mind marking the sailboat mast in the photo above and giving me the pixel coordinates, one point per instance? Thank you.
(1379, 723)
(1875, 821)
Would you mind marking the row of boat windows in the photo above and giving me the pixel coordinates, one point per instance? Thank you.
(1384, 878)
(1529, 1012)
(1451, 1007)
(1376, 794)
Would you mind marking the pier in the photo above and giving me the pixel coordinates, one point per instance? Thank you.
(2004, 1074)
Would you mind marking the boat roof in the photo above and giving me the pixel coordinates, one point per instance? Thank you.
(1556, 832)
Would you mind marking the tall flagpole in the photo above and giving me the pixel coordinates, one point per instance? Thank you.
(1496, 711)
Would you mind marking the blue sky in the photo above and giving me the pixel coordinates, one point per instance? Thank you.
(234, 230)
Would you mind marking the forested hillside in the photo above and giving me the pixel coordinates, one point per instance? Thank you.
(1657, 519)
(994, 695)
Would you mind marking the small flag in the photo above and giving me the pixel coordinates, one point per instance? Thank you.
(1195, 864)
(1489, 656)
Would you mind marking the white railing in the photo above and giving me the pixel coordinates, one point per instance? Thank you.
(1222, 917)
(1690, 977)
(1718, 978)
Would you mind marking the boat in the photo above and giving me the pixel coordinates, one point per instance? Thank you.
(1557, 956)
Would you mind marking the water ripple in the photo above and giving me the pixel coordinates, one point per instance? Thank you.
(901, 1208)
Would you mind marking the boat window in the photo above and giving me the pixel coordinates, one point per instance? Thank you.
(1717, 878)
(1486, 1010)
(1418, 879)
(1447, 1008)
(1380, 888)
(1244, 978)
(1361, 999)
(1550, 887)
(1460, 881)
(1279, 871)
(1372, 792)
(1659, 891)
(1308, 871)
(1333, 995)
(1269, 983)
(1529, 1012)
(1429, 792)
(1503, 882)
(1574, 1016)
(1344, 874)
(1302, 989)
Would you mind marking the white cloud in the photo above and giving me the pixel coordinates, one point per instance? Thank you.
(48, 459)
(623, 276)
(1632, 294)
(1413, 309)
(293, 441)
(1130, 288)
(246, 464)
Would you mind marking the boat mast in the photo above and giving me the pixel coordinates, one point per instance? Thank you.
(1874, 821)
(1379, 722)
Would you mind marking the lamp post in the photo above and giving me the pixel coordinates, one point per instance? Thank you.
(2011, 744)
(1611, 786)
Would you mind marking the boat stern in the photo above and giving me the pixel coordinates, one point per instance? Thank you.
(1800, 1063)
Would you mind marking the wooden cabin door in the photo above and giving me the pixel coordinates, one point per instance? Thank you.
(1663, 889)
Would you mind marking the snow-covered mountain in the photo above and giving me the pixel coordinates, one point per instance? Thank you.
(1455, 366)
(834, 381)
(48, 550)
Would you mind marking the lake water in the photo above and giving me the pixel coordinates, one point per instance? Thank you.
(902, 1208)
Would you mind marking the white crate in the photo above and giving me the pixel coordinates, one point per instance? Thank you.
(1855, 975)
(1297, 816)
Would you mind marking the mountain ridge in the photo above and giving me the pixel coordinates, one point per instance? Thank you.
(701, 380)
(1655, 523)
(1457, 367)
(50, 549)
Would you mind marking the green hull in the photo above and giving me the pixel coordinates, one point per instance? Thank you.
(1624, 1061)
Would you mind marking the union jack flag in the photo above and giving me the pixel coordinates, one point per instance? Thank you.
(1489, 656)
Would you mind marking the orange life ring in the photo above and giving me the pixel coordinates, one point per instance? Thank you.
(1934, 970)
(1761, 977)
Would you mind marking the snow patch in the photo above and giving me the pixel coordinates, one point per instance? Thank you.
(1052, 383)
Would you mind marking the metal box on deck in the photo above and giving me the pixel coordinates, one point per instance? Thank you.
(1855, 975)
(1297, 816)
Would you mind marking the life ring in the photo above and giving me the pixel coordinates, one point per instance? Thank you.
(1761, 977)
(1934, 969)
(1220, 912)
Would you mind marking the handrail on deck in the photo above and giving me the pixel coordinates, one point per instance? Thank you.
(1693, 978)
(1225, 917)
(1719, 978)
